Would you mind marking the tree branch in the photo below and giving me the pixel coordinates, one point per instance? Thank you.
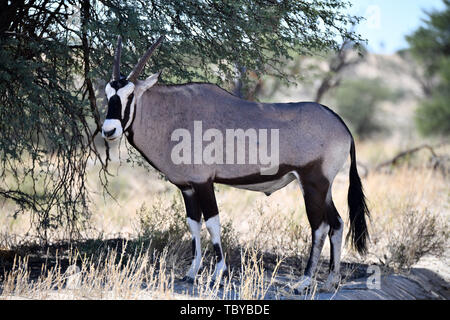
(408, 152)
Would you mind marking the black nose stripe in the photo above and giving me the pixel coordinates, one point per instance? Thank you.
(114, 108)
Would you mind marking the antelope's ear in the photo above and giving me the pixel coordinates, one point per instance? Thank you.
(143, 86)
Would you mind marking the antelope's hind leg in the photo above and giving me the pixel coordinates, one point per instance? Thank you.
(315, 188)
(335, 235)
(324, 220)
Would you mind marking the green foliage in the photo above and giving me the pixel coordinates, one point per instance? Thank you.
(433, 115)
(54, 54)
(358, 102)
(430, 45)
(207, 39)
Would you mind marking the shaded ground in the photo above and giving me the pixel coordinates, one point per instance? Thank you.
(417, 283)
(428, 279)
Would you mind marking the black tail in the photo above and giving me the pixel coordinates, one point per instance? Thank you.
(357, 207)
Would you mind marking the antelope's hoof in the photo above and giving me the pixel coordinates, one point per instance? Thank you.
(328, 287)
(332, 284)
(300, 290)
(303, 286)
(219, 279)
(188, 279)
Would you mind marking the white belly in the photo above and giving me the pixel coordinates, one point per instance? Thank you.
(269, 186)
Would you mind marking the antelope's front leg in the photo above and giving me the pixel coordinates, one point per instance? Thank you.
(208, 205)
(213, 226)
(194, 216)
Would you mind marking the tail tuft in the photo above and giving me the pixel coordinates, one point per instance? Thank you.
(357, 208)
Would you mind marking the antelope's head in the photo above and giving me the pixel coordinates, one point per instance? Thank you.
(123, 92)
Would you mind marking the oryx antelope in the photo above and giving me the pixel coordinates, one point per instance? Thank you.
(314, 144)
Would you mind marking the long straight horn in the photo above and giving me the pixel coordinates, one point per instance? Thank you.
(132, 77)
(116, 67)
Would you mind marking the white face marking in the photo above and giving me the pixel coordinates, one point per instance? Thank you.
(123, 94)
(111, 124)
(110, 91)
(131, 113)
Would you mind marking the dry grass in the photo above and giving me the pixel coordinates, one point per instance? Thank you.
(266, 239)
(141, 275)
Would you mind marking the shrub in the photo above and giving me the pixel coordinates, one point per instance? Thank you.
(433, 116)
(418, 234)
(163, 224)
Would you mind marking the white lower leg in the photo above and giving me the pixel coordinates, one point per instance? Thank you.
(213, 226)
(319, 238)
(195, 228)
(336, 242)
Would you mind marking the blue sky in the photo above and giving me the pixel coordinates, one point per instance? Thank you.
(388, 21)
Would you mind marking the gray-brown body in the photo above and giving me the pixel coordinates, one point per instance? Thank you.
(308, 132)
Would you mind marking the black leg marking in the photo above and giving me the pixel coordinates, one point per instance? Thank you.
(318, 241)
(191, 204)
(193, 248)
(208, 206)
(217, 251)
(194, 216)
(206, 199)
(332, 266)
